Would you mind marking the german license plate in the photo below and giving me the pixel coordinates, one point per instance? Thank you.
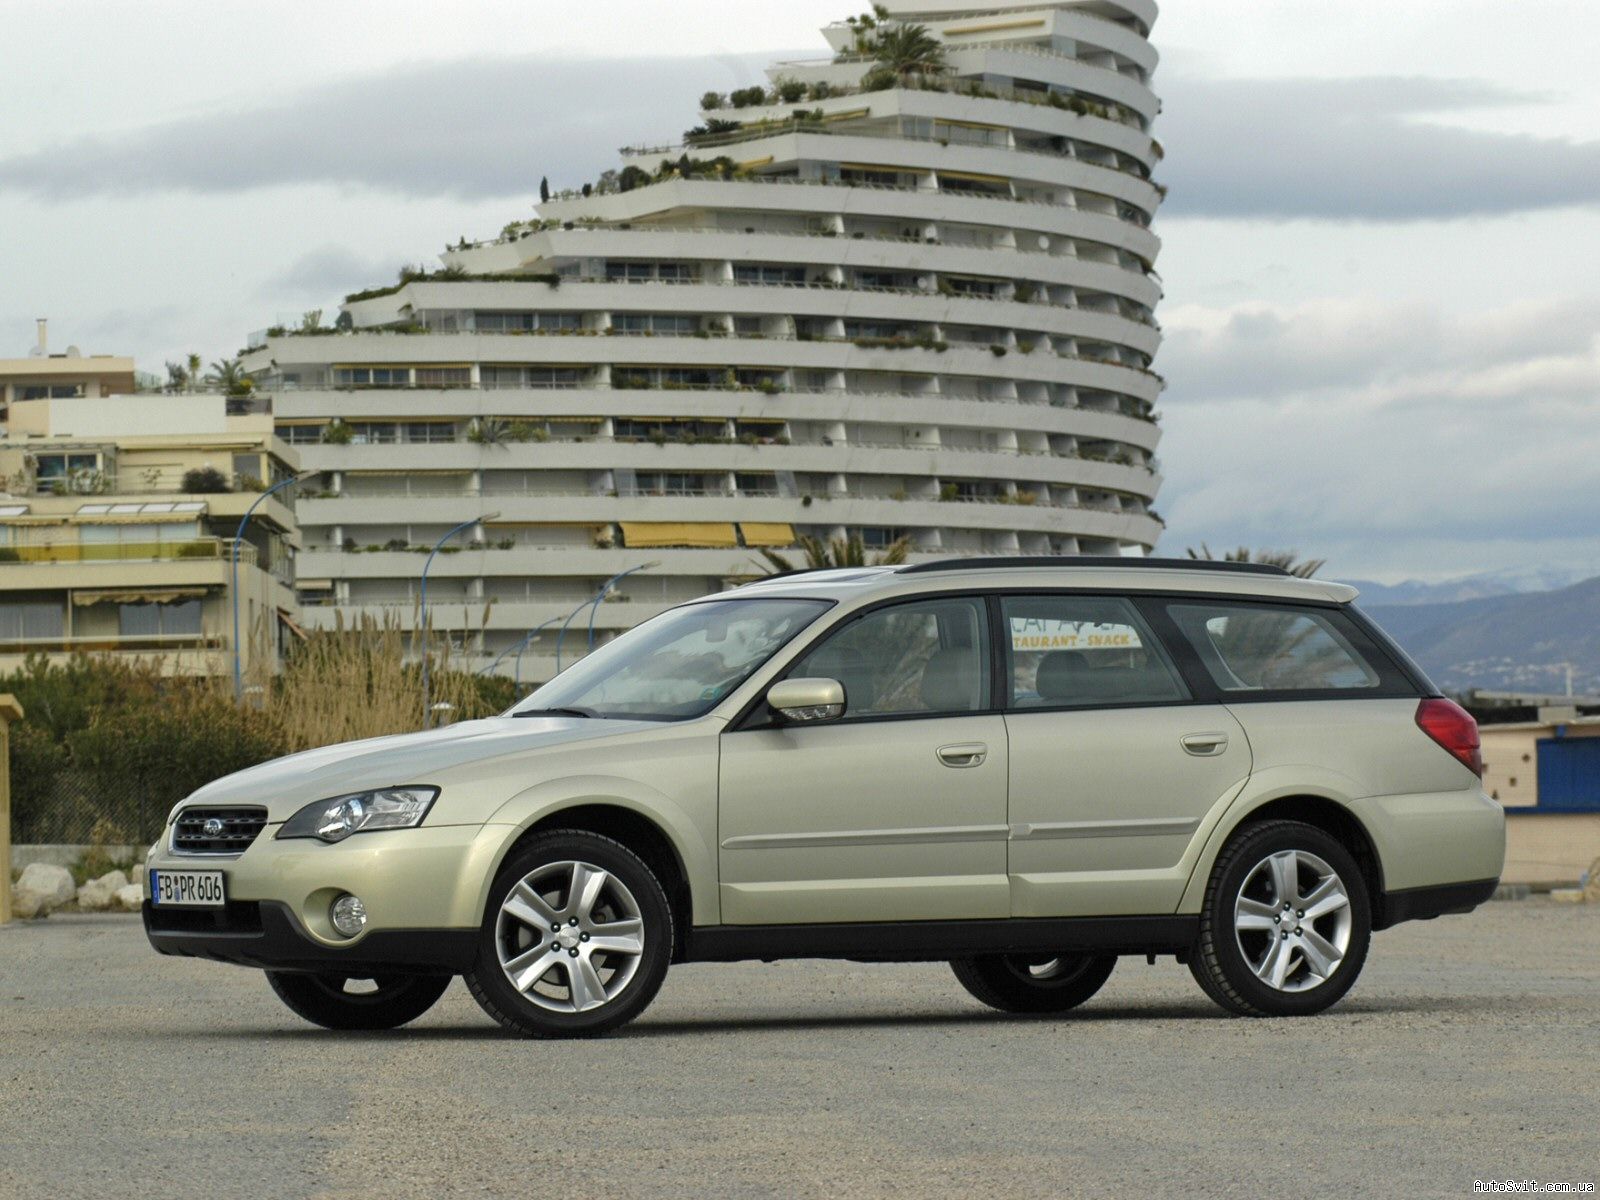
(187, 889)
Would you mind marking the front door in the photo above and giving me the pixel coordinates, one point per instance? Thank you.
(894, 812)
(1115, 774)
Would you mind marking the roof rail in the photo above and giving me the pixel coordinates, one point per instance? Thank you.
(1008, 562)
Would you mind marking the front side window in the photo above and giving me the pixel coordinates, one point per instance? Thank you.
(679, 664)
(927, 657)
(1269, 648)
(1083, 650)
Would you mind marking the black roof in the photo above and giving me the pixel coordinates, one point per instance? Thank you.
(1008, 562)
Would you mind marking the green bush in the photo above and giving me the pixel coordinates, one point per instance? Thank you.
(204, 481)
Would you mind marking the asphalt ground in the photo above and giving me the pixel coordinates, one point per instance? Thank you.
(1469, 1051)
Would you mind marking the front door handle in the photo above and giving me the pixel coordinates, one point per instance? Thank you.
(1205, 745)
(967, 754)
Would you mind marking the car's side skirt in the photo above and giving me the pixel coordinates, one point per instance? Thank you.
(926, 941)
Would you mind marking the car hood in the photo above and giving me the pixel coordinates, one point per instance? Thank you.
(285, 785)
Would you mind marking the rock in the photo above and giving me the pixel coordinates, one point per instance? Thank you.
(100, 895)
(54, 884)
(130, 898)
(26, 904)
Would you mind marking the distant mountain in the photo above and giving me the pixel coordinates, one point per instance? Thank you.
(1468, 587)
(1508, 642)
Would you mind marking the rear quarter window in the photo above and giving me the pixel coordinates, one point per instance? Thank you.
(1272, 649)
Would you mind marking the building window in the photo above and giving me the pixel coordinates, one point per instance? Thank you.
(178, 619)
(630, 271)
(760, 273)
(444, 377)
(53, 391)
(530, 377)
(526, 322)
(31, 620)
(665, 324)
(372, 377)
(67, 472)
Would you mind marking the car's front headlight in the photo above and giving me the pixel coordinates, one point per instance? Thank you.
(360, 812)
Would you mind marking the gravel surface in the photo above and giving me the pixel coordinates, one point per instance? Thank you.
(1469, 1050)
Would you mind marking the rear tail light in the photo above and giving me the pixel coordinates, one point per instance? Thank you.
(1452, 726)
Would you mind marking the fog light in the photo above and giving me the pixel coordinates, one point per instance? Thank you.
(349, 915)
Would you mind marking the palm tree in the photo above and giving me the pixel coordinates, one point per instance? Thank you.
(1289, 560)
(193, 376)
(1261, 647)
(848, 551)
(905, 50)
(227, 374)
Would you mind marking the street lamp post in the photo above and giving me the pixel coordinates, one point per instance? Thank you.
(592, 604)
(427, 711)
(238, 538)
(594, 607)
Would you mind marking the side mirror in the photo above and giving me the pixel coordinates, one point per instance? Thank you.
(807, 700)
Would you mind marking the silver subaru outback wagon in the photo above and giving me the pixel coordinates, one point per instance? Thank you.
(1025, 767)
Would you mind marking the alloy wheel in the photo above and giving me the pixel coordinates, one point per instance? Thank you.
(1292, 920)
(570, 936)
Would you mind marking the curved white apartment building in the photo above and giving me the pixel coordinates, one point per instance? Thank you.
(914, 306)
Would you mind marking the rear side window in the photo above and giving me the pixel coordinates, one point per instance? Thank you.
(1071, 650)
(1260, 648)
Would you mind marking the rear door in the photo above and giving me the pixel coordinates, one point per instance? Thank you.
(1116, 770)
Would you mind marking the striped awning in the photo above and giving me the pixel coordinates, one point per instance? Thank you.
(767, 533)
(695, 534)
(149, 596)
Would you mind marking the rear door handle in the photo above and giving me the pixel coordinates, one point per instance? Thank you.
(1204, 745)
(967, 754)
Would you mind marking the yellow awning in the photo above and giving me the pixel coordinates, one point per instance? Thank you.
(1000, 179)
(767, 533)
(164, 596)
(962, 30)
(637, 535)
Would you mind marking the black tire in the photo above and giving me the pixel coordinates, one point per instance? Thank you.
(1033, 983)
(330, 1001)
(1222, 958)
(494, 990)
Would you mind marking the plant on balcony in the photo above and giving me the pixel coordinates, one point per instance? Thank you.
(712, 101)
(949, 491)
(398, 545)
(337, 433)
(249, 483)
(507, 543)
(790, 91)
(489, 431)
(750, 97)
(204, 481)
(997, 350)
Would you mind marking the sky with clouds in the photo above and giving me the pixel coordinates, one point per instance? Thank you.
(1382, 305)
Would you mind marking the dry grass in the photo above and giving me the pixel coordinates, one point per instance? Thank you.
(347, 684)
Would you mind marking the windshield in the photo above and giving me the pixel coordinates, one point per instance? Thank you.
(676, 665)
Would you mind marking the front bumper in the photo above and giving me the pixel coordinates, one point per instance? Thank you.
(423, 890)
(265, 934)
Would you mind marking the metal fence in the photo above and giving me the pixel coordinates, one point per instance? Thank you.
(67, 809)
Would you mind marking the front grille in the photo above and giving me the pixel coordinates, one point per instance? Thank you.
(239, 827)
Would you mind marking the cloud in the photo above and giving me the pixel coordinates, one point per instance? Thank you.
(1388, 439)
(328, 270)
(473, 128)
(1358, 150)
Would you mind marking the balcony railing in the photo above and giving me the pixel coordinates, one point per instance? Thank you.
(197, 549)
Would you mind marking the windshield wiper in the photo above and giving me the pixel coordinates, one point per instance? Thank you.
(573, 711)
